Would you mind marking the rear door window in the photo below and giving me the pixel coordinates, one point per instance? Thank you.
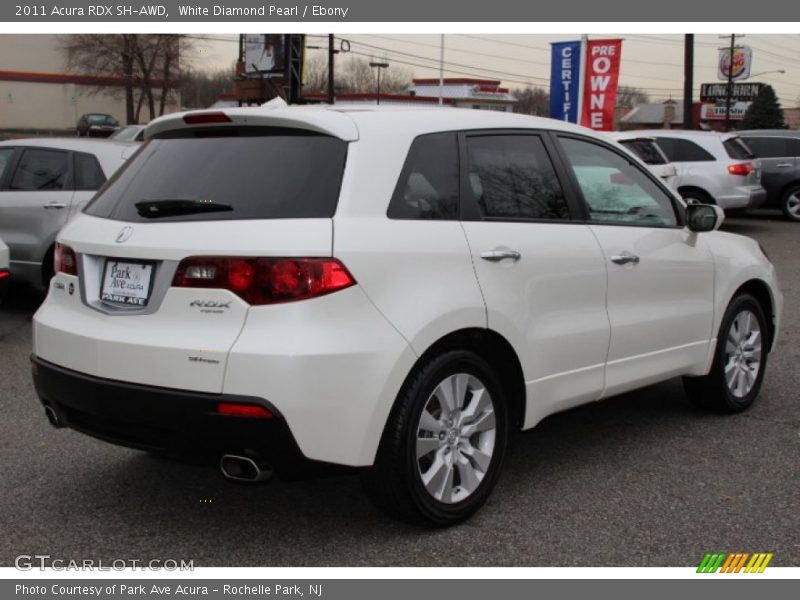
(679, 150)
(227, 173)
(5, 159)
(773, 147)
(511, 177)
(41, 169)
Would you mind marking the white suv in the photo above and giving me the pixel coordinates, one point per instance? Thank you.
(713, 168)
(290, 289)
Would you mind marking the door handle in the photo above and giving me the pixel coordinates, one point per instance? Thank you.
(55, 206)
(784, 165)
(625, 258)
(498, 255)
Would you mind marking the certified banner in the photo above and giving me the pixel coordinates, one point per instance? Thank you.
(600, 84)
(565, 77)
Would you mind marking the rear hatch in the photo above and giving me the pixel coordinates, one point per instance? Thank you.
(195, 203)
(743, 165)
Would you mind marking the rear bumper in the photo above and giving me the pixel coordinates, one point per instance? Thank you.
(167, 420)
(745, 197)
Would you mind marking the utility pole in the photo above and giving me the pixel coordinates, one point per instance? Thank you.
(688, 81)
(379, 66)
(331, 54)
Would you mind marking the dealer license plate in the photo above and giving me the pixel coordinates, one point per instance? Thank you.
(126, 283)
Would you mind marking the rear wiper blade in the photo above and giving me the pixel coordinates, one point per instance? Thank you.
(154, 209)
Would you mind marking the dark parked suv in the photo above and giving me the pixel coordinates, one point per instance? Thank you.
(779, 152)
(97, 125)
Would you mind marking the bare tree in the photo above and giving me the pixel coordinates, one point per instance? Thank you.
(200, 89)
(532, 101)
(629, 96)
(145, 62)
(353, 75)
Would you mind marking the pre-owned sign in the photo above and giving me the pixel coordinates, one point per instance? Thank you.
(600, 84)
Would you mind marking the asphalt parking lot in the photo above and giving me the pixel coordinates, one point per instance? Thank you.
(639, 480)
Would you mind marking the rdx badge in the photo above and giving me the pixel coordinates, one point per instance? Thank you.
(210, 304)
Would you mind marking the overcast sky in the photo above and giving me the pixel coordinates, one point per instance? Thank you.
(651, 62)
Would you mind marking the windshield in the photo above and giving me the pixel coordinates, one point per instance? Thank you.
(227, 173)
(101, 120)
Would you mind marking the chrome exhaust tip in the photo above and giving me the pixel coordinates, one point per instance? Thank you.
(52, 416)
(244, 468)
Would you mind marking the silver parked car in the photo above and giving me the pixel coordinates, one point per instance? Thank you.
(5, 274)
(713, 168)
(779, 153)
(43, 182)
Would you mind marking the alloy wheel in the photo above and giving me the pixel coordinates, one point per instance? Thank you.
(743, 347)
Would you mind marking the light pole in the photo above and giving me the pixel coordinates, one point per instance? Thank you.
(781, 71)
(379, 66)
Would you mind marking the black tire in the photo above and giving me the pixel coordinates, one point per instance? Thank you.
(692, 195)
(395, 481)
(48, 268)
(712, 392)
(790, 203)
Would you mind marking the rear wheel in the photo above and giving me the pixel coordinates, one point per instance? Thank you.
(444, 444)
(740, 359)
(695, 196)
(790, 204)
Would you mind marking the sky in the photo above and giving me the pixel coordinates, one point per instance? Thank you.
(653, 63)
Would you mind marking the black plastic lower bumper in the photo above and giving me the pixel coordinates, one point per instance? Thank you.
(169, 421)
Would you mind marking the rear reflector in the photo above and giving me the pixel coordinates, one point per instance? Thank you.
(65, 260)
(741, 168)
(243, 410)
(4, 274)
(265, 280)
(206, 117)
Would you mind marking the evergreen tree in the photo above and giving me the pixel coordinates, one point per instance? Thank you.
(765, 111)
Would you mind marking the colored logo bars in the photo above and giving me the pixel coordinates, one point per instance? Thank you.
(734, 562)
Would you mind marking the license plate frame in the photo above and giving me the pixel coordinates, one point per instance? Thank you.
(135, 275)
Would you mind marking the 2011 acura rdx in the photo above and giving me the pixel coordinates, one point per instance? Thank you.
(389, 288)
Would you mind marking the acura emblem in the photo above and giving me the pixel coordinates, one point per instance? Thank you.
(124, 234)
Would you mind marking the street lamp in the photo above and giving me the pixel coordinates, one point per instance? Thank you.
(379, 66)
(781, 71)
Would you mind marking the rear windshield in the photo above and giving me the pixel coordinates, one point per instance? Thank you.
(227, 173)
(647, 150)
(737, 149)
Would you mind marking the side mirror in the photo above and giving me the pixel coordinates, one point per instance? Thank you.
(704, 217)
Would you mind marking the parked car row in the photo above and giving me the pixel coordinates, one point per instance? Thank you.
(487, 270)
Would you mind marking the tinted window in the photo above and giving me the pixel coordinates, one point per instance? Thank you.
(511, 177)
(678, 150)
(41, 169)
(773, 147)
(227, 173)
(647, 150)
(615, 191)
(88, 173)
(428, 184)
(737, 149)
(5, 157)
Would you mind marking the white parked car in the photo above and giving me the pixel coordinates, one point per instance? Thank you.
(649, 153)
(392, 288)
(5, 274)
(43, 183)
(713, 168)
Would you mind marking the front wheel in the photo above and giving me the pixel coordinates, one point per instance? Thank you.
(790, 204)
(444, 443)
(740, 360)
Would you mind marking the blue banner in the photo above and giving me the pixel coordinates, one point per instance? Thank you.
(565, 77)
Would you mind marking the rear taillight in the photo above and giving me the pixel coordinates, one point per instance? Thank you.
(4, 274)
(741, 168)
(65, 260)
(265, 280)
